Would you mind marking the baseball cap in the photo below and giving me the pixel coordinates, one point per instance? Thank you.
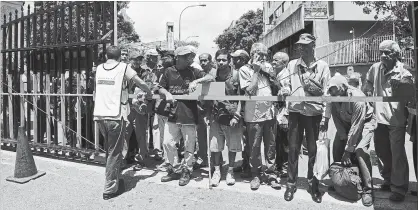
(306, 39)
(192, 48)
(240, 53)
(183, 51)
(151, 52)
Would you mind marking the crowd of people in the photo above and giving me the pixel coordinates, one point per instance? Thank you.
(179, 127)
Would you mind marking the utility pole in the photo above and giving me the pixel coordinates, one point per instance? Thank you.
(354, 45)
(115, 23)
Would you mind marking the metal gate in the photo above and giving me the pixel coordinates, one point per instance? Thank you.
(49, 56)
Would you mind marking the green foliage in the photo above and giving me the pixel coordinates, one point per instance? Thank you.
(246, 31)
(396, 12)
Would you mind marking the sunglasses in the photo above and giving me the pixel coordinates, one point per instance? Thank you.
(386, 52)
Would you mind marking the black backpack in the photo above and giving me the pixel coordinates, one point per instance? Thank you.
(346, 181)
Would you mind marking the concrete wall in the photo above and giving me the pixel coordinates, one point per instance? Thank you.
(340, 30)
(321, 31)
(347, 10)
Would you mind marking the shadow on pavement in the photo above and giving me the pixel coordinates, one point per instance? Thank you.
(131, 178)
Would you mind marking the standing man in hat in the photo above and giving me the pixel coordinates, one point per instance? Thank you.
(308, 77)
(111, 110)
(179, 80)
(239, 59)
(384, 79)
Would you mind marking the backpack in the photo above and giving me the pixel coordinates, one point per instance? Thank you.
(346, 181)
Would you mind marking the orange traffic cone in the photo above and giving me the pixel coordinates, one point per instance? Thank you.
(25, 168)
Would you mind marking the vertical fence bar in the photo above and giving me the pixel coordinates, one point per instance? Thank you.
(28, 76)
(55, 78)
(22, 68)
(70, 79)
(42, 101)
(48, 81)
(88, 74)
(95, 53)
(16, 78)
(55, 98)
(63, 100)
(78, 80)
(89, 111)
(113, 22)
(3, 101)
(62, 80)
(10, 79)
(35, 78)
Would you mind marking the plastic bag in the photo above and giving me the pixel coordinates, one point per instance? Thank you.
(322, 160)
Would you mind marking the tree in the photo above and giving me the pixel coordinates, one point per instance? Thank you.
(246, 31)
(396, 12)
(126, 30)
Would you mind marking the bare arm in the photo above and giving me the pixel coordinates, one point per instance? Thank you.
(206, 78)
(141, 84)
(253, 87)
(357, 125)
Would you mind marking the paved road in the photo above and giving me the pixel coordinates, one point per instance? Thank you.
(68, 185)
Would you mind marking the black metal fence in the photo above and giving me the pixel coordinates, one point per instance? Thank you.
(49, 54)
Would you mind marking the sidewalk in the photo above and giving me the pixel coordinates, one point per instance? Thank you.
(69, 185)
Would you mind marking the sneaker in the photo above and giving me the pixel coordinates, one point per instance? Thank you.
(230, 179)
(397, 197)
(216, 178)
(185, 177)
(367, 199)
(255, 183)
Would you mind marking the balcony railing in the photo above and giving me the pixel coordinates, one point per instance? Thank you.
(361, 51)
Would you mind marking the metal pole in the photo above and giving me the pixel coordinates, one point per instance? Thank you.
(393, 29)
(115, 22)
(354, 47)
(197, 5)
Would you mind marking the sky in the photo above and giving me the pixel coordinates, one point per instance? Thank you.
(206, 22)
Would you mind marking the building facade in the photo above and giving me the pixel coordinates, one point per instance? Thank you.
(328, 21)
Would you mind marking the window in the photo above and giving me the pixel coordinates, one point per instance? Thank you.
(268, 4)
(271, 19)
